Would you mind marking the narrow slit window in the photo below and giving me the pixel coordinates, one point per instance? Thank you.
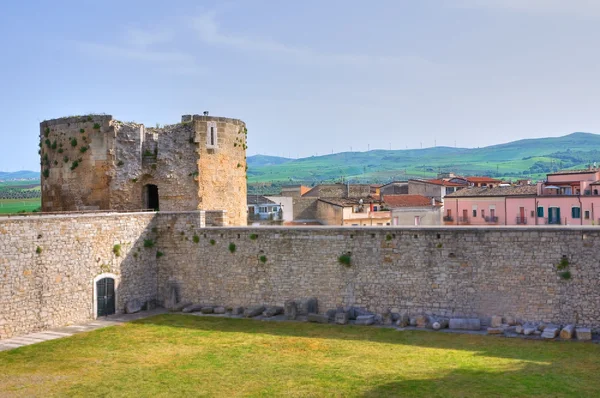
(212, 138)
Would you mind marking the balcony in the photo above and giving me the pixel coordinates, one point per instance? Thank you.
(464, 220)
(491, 219)
(553, 221)
(521, 220)
(448, 219)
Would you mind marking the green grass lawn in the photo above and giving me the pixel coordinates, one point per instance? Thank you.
(177, 355)
(9, 206)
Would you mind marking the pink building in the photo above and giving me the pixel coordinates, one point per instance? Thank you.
(568, 197)
(488, 206)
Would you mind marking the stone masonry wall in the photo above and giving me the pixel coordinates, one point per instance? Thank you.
(449, 271)
(222, 168)
(53, 286)
(94, 162)
(441, 271)
(75, 162)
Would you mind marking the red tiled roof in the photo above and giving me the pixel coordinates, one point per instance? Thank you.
(482, 179)
(442, 182)
(522, 190)
(406, 200)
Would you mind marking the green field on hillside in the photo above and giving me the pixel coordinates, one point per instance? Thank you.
(532, 158)
(182, 356)
(9, 206)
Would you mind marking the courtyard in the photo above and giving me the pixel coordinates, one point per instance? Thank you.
(183, 355)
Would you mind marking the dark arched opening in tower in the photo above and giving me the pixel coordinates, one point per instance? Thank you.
(151, 197)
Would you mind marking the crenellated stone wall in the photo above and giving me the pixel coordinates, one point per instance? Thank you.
(448, 271)
(97, 163)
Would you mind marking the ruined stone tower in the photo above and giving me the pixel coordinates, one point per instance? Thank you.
(97, 163)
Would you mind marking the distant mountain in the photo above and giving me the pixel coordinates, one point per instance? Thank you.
(531, 158)
(18, 175)
(265, 160)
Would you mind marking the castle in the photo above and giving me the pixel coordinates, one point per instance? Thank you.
(97, 163)
(61, 269)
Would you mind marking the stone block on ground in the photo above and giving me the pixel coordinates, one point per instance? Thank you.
(133, 306)
(309, 305)
(180, 306)
(341, 318)
(529, 330)
(438, 324)
(394, 316)
(519, 329)
(567, 332)
(207, 309)
(273, 310)
(422, 321)
(510, 320)
(550, 332)
(237, 311)
(495, 330)
(355, 312)
(412, 321)
(403, 321)
(331, 314)
(290, 310)
(465, 323)
(318, 318)
(541, 327)
(220, 310)
(583, 334)
(251, 312)
(496, 321)
(365, 319)
(193, 308)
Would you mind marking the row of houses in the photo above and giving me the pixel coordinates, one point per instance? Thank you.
(567, 197)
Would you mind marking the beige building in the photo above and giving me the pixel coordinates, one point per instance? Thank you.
(352, 212)
(414, 210)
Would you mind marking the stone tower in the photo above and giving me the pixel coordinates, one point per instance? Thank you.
(97, 163)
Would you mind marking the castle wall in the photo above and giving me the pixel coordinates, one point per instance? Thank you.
(75, 163)
(441, 271)
(449, 271)
(165, 157)
(55, 286)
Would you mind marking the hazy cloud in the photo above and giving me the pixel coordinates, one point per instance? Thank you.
(582, 8)
(210, 33)
(141, 45)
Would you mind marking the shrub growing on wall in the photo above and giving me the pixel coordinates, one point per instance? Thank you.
(345, 259)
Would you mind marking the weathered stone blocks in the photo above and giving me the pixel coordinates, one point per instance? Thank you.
(583, 334)
(365, 320)
(567, 332)
(465, 323)
(251, 312)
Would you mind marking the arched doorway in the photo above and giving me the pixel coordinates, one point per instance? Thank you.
(151, 197)
(105, 294)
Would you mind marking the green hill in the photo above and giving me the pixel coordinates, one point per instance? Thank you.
(531, 158)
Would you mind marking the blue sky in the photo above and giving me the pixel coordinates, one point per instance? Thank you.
(308, 77)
